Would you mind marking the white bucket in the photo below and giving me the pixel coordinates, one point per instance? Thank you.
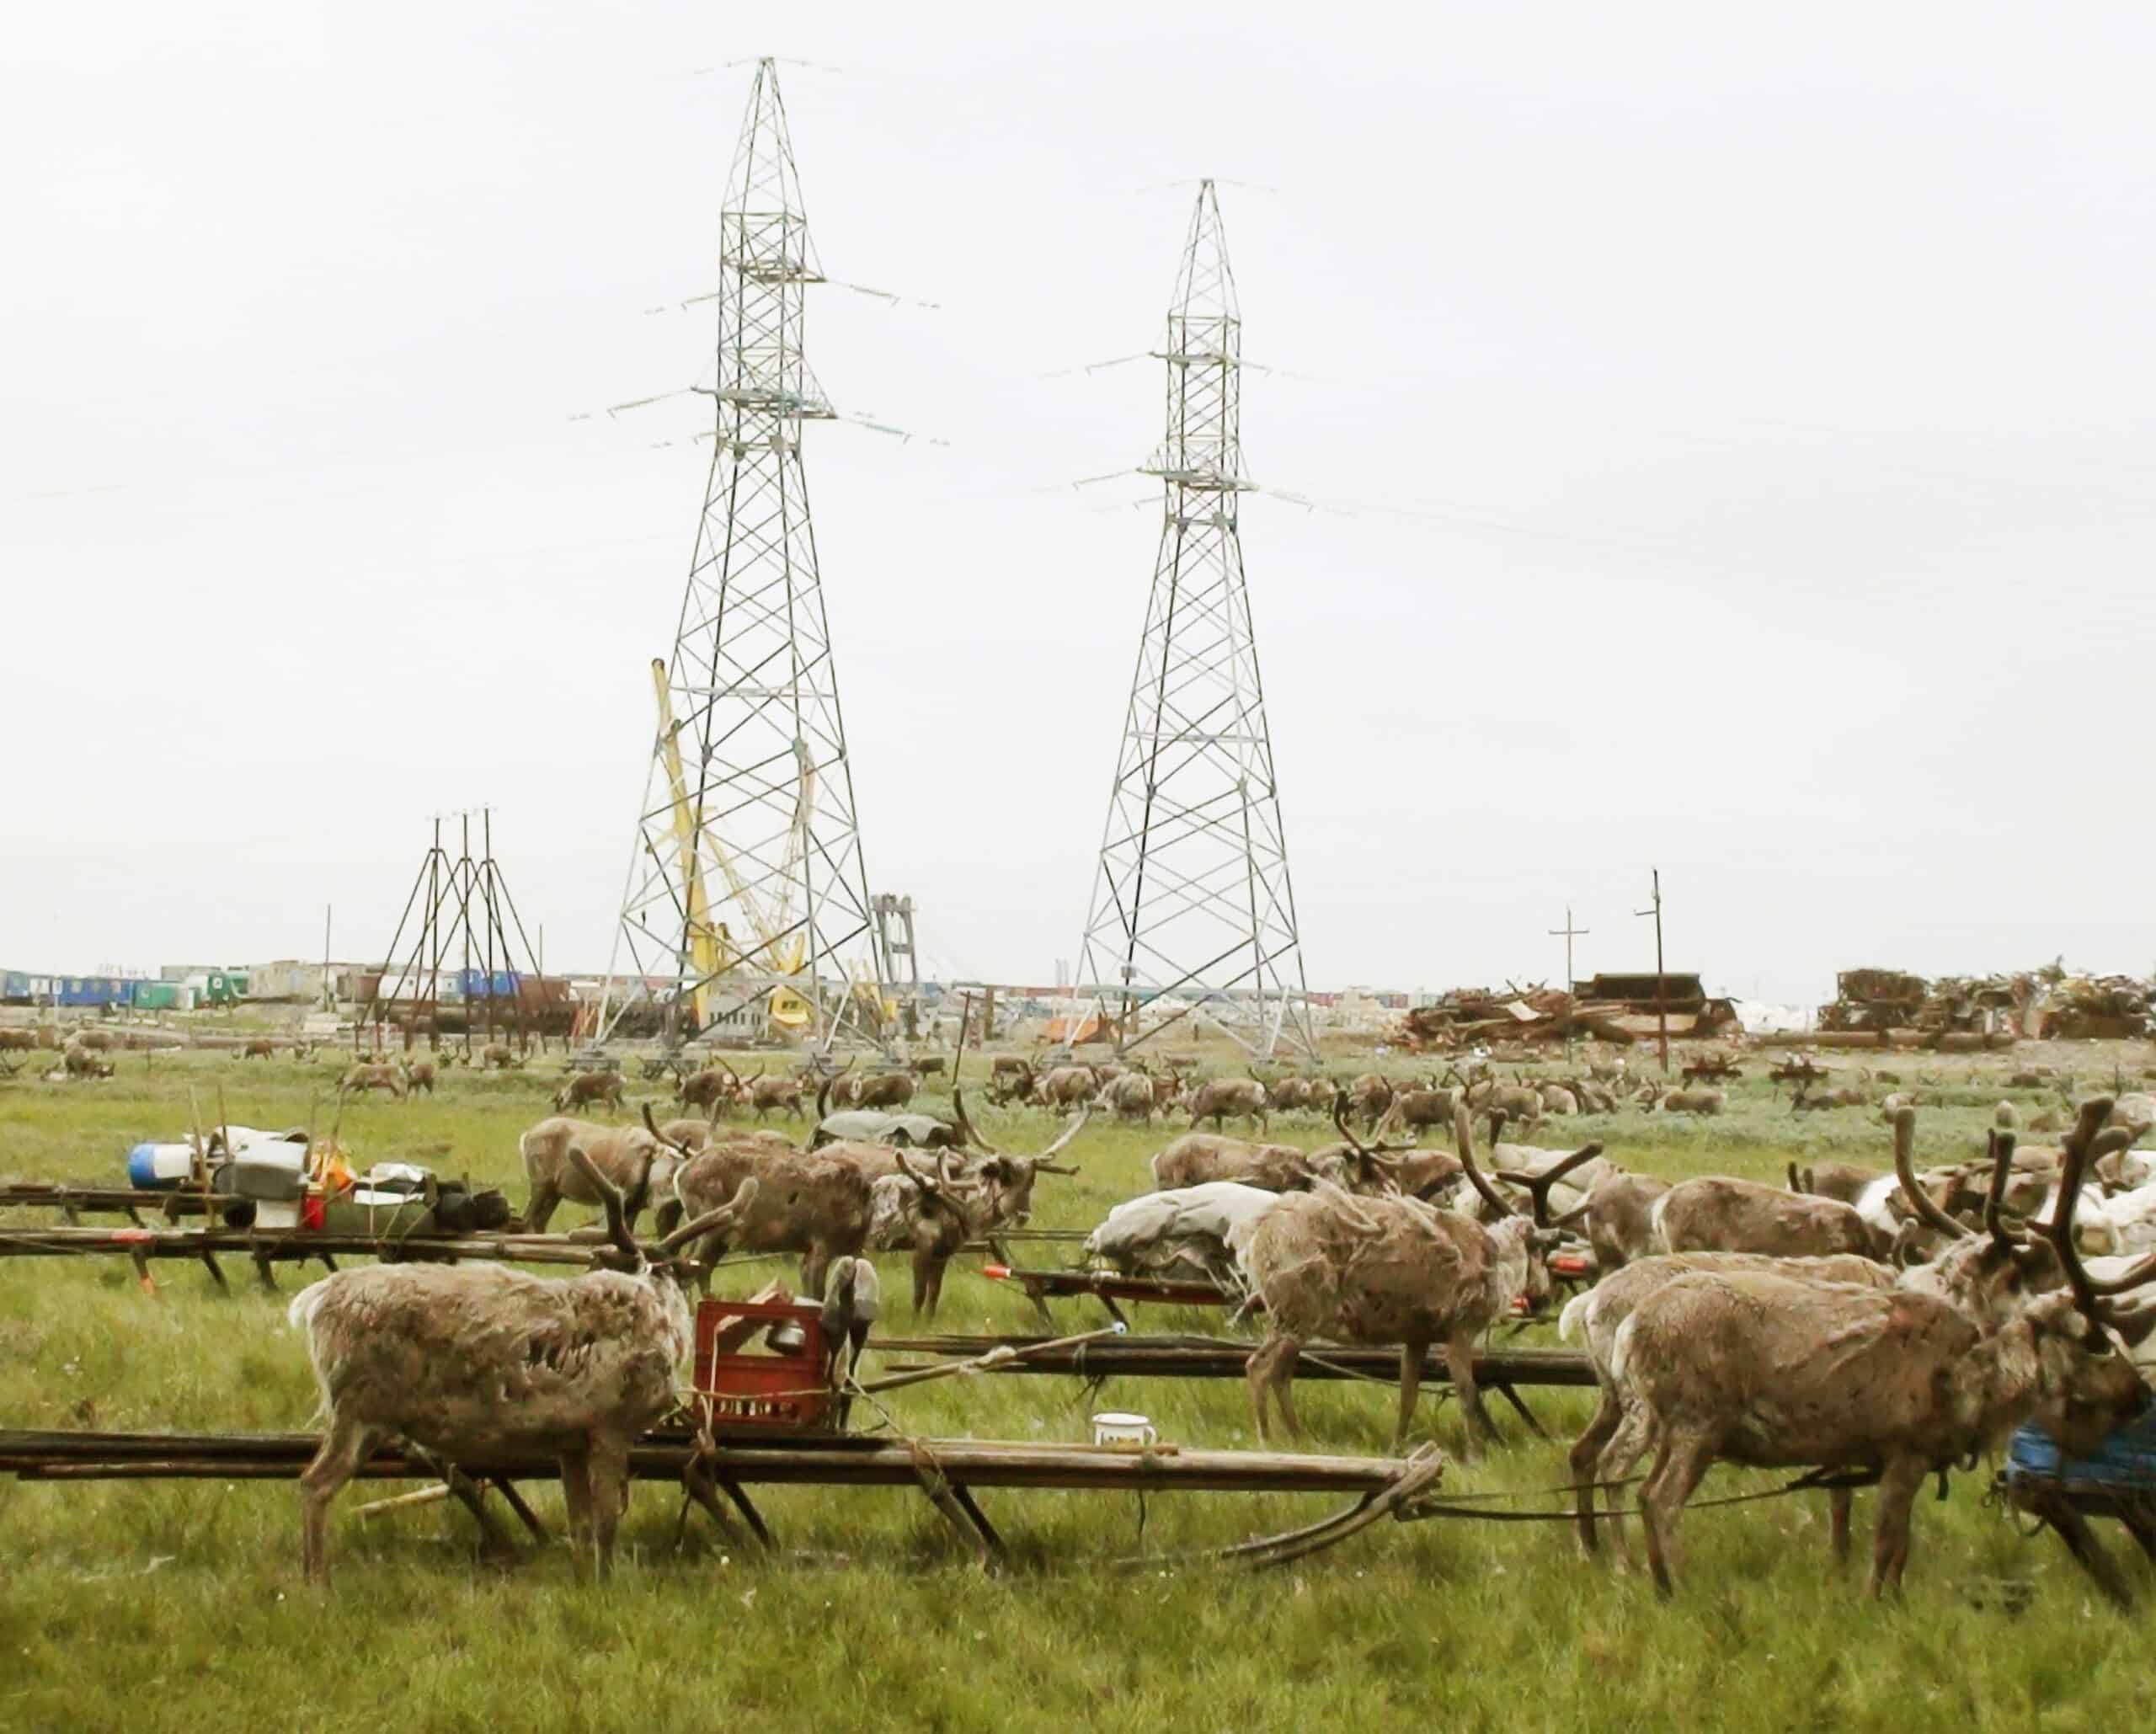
(1113, 1428)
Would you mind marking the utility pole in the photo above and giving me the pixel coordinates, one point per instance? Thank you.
(1192, 900)
(1660, 981)
(1570, 933)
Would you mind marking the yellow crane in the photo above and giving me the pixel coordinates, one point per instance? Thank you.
(710, 946)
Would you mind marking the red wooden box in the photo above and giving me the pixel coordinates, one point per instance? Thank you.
(742, 1382)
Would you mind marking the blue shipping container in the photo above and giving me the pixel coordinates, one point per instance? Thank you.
(90, 990)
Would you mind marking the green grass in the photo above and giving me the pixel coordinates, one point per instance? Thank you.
(179, 1604)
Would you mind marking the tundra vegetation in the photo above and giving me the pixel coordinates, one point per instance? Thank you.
(161, 1604)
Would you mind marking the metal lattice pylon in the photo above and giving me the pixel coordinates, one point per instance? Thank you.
(746, 894)
(1193, 911)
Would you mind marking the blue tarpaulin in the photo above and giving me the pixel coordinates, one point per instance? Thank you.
(2126, 1459)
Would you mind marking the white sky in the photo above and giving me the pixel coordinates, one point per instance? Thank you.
(1733, 424)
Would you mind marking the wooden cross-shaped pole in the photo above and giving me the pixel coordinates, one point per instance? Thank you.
(1661, 982)
(1570, 933)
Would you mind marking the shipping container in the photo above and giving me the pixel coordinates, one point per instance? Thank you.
(91, 990)
(156, 995)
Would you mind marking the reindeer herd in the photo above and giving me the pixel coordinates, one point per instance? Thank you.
(1885, 1322)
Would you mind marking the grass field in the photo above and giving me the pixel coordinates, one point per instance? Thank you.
(179, 1605)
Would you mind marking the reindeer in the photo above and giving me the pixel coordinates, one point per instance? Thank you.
(1067, 1086)
(852, 1299)
(637, 1164)
(364, 1077)
(1618, 1213)
(481, 1361)
(1801, 1099)
(1845, 1180)
(815, 1204)
(1220, 1097)
(1412, 1110)
(1388, 1270)
(1353, 1167)
(1690, 1101)
(886, 1090)
(258, 1048)
(768, 1090)
(1519, 1102)
(1711, 1212)
(1983, 1278)
(1290, 1094)
(1198, 1157)
(1372, 1095)
(78, 1062)
(716, 1087)
(1010, 1078)
(419, 1075)
(1132, 1097)
(1593, 1318)
(499, 1056)
(1773, 1373)
(587, 1087)
(968, 1200)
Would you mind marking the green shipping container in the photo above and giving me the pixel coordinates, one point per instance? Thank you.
(156, 995)
(221, 989)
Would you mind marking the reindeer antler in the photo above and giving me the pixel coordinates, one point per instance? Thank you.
(2000, 1144)
(1919, 1200)
(1538, 1185)
(965, 1123)
(610, 1199)
(1378, 1155)
(1463, 1133)
(723, 1217)
(651, 1125)
(1045, 1162)
(2089, 1142)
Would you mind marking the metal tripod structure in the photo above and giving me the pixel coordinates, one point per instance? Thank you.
(465, 919)
(1193, 903)
(746, 895)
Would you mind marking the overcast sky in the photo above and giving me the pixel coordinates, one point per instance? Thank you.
(1729, 429)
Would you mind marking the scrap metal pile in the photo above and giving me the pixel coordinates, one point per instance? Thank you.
(1619, 1009)
(2047, 1002)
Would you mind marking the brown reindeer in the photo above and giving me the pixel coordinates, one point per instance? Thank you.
(769, 1091)
(1218, 1098)
(885, 1089)
(714, 1089)
(1387, 1270)
(1067, 1087)
(1759, 1369)
(631, 1158)
(481, 1361)
(1198, 1157)
(586, 1087)
(363, 1077)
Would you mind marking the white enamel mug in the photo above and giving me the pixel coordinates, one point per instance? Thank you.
(1112, 1428)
